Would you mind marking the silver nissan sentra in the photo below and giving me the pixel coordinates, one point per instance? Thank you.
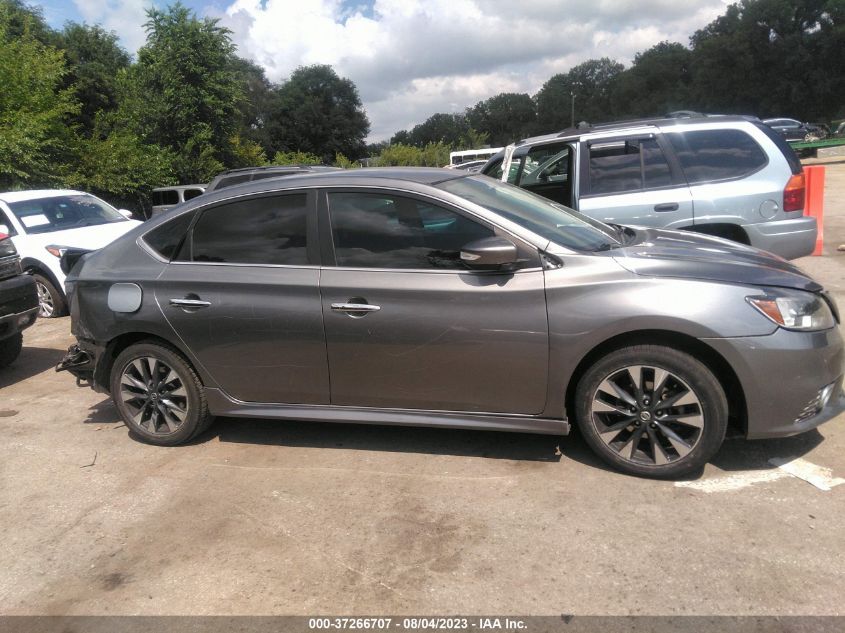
(429, 297)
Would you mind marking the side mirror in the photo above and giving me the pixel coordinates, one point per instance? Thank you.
(4, 231)
(489, 253)
(125, 213)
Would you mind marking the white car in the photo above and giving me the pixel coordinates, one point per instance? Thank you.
(43, 224)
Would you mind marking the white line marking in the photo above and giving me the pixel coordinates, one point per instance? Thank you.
(819, 476)
(736, 481)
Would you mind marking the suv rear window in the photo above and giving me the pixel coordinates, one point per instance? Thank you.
(168, 196)
(709, 155)
(784, 147)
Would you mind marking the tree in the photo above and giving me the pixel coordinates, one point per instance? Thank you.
(36, 145)
(183, 94)
(440, 128)
(773, 58)
(94, 60)
(22, 19)
(592, 84)
(318, 112)
(506, 117)
(257, 103)
(657, 83)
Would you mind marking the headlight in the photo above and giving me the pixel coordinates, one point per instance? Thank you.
(58, 251)
(794, 310)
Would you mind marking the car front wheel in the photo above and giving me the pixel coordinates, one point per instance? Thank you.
(652, 411)
(51, 303)
(159, 395)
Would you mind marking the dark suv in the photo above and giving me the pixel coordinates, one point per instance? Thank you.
(18, 301)
(248, 174)
(728, 176)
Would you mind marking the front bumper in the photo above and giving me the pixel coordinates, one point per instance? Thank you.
(18, 304)
(782, 375)
(790, 239)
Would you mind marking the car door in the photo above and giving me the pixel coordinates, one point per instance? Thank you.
(409, 327)
(547, 169)
(631, 180)
(243, 294)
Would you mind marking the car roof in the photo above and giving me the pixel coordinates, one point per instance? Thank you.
(280, 168)
(586, 130)
(33, 194)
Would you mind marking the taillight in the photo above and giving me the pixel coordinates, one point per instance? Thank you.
(793, 194)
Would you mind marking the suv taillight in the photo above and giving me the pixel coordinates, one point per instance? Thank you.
(793, 194)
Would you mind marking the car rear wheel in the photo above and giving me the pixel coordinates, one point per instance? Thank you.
(652, 411)
(51, 303)
(10, 349)
(158, 394)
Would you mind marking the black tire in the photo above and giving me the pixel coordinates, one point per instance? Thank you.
(150, 417)
(10, 349)
(660, 443)
(55, 305)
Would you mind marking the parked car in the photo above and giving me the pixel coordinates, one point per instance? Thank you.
(436, 298)
(795, 131)
(730, 177)
(165, 198)
(44, 224)
(18, 301)
(471, 166)
(248, 174)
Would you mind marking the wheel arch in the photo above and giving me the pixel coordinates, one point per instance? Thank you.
(31, 265)
(725, 230)
(116, 345)
(724, 373)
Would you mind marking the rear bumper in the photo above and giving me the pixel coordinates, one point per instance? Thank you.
(782, 376)
(18, 304)
(790, 239)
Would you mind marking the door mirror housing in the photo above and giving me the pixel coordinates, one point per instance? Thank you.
(490, 253)
(125, 213)
(5, 231)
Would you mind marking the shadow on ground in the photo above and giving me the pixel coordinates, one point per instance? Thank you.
(31, 362)
(517, 446)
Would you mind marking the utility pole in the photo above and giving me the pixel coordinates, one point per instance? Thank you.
(572, 95)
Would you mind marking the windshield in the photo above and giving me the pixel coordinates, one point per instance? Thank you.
(547, 219)
(57, 213)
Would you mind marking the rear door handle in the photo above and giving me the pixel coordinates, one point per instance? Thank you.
(666, 206)
(190, 303)
(355, 307)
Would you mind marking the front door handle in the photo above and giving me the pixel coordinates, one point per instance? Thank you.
(188, 304)
(666, 206)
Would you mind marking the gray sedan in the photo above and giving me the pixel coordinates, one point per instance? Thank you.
(429, 297)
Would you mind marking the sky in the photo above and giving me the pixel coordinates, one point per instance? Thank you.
(413, 58)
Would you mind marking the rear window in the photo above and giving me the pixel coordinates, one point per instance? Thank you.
(190, 194)
(784, 147)
(710, 155)
(233, 180)
(168, 196)
(166, 238)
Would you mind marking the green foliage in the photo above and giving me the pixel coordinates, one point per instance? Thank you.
(317, 112)
(36, 145)
(440, 128)
(592, 83)
(94, 59)
(504, 117)
(400, 155)
(187, 63)
(657, 83)
(296, 158)
(344, 163)
(246, 153)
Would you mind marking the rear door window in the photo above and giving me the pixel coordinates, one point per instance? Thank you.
(269, 230)
(166, 197)
(712, 155)
(190, 194)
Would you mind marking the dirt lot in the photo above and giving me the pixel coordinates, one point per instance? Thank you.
(275, 518)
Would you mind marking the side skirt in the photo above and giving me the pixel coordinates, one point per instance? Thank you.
(221, 405)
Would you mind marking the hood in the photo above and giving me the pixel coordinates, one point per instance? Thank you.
(85, 237)
(658, 253)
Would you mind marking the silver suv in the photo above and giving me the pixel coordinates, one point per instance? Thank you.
(727, 176)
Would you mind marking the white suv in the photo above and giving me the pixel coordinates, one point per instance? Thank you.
(44, 224)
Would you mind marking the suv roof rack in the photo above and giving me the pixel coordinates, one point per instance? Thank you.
(664, 120)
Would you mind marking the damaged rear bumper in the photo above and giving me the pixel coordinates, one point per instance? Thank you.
(80, 363)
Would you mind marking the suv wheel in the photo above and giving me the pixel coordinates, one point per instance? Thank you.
(10, 349)
(652, 411)
(159, 395)
(51, 303)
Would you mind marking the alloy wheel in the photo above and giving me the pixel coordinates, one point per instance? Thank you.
(46, 307)
(154, 395)
(647, 415)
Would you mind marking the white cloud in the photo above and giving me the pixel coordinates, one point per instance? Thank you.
(124, 17)
(412, 58)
